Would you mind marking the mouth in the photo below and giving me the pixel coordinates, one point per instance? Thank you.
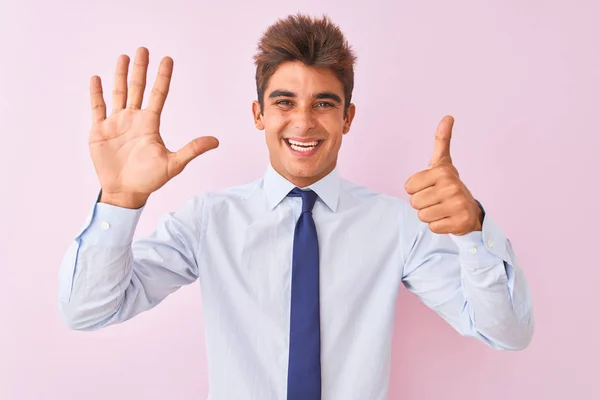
(303, 149)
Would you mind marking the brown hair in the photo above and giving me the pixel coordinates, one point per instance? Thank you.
(313, 41)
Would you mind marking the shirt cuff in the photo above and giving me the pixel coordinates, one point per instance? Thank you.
(483, 249)
(110, 226)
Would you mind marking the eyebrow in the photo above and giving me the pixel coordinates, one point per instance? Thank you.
(320, 96)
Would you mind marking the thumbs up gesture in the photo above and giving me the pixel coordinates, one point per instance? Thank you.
(441, 198)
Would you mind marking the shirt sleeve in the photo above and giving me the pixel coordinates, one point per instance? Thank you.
(474, 282)
(106, 277)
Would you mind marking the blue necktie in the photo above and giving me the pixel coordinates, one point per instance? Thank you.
(304, 369)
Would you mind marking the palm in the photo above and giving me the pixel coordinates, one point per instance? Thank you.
(127, 150)
(129, 154)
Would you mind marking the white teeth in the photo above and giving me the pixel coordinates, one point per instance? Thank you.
(303, 143)
(304, 149)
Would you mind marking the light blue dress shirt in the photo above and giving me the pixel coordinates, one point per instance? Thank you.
(238, 244)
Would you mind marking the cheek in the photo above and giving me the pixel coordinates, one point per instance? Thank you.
(272, 131)
(336, 143)
(274, 126)
(334, 124)
(335, 133)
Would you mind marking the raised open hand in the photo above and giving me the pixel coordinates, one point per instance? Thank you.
(129, 155)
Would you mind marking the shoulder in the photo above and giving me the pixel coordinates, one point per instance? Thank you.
(364, 194)
(224, 196)
(395, 207)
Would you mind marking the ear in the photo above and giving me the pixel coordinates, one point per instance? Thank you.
(349, 117)
(258, 117)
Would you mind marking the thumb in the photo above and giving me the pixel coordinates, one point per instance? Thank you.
(441, 148)
(180, 159)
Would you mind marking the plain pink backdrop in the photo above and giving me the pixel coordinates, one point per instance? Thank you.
(520, 78)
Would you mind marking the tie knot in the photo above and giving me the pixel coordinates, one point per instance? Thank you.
(309, 198)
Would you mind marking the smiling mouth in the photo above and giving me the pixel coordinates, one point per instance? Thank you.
(301, 147)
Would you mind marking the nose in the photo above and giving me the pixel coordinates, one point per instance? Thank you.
(303, 120)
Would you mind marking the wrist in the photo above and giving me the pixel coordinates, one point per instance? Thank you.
(124, 200)
(480, 216)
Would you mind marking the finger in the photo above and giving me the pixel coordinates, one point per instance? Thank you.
(435, 212)
(427, 197)
(422, 180)
(180, 159)
(137, 85)
(120, 89)
(161, 86)
(441, 148)
(443, 226)
(97, 99)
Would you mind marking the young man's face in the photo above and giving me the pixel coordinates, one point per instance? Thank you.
(303, 119)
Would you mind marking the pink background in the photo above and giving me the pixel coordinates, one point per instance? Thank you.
(520, 79)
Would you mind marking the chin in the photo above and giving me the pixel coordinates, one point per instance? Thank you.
(305, 174)
(302, 171)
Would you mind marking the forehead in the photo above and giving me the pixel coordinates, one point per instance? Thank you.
(302, 79)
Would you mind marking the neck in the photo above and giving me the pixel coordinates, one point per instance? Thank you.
(304, 181)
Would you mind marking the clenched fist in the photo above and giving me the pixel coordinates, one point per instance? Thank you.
(441, 198)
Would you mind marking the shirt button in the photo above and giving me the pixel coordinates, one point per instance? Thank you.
(104, 225)
(473, 250)
(490, 243)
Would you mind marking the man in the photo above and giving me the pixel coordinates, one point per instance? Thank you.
(300, 269)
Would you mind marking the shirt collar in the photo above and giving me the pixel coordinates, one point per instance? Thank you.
(277, 188)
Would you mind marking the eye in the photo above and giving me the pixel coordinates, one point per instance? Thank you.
(325, 104)
(285, 103)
